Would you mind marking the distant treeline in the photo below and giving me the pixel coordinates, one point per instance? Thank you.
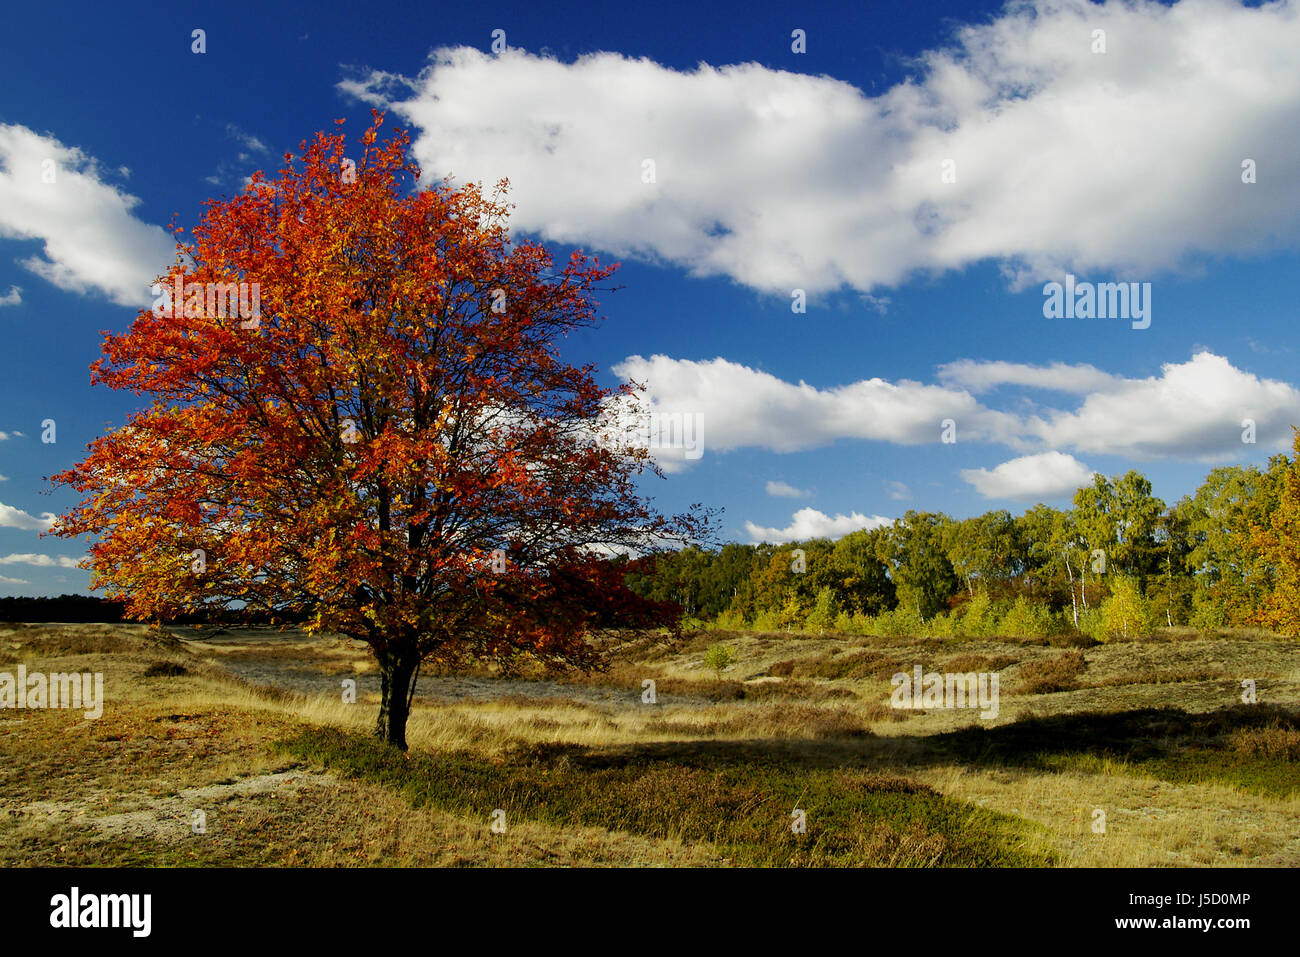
(91, 608)
(63, 608)
(1119, 562)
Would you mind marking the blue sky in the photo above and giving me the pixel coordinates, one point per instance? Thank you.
(920, 171)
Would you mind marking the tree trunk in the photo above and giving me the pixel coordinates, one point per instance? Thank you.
(396, 685)
(1074, 604)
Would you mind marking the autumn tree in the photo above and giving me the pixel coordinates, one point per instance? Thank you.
(1275, 536)
(391, 447)
(1125, 613)
(1229, 518)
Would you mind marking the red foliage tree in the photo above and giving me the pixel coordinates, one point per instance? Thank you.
(385, 443)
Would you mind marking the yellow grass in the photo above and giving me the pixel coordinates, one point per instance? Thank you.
(124, 788)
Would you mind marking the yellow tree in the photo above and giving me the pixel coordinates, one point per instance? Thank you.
(1278, 539)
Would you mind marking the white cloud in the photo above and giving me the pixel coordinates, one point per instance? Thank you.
(1048, 475)
(13, 581)
(1192, 411)
(782, 490)
(11, 517)
(810, 523)
(43, 561)
(92, 243)
(748, 407)
(899, 491)
(14, 297)
(980, 376)
(1128, 161)
(249, 140)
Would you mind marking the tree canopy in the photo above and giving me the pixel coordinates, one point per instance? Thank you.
(391, 447)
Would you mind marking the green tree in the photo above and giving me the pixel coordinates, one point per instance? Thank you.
(857, 576)
(825, 610)
(723, 579)
(913, 549)
(1125, 613)
(1119, 517)
(1232, 576)
(719, 657)
(1056, 555)
(1171, 590)
(986, 550)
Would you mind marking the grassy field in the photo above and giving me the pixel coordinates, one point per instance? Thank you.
(1150, 736)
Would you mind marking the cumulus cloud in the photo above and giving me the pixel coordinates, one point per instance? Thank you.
(1127, 160)
(810, 523)
(980, 376)
(5, 580)
(11, 517)
(14, 297)
(749, 407)
(1191, 411)
(782, 490)
(1048, 475)
(43, 561)
(92, 242)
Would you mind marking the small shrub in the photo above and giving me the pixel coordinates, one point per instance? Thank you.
(1125, 614)
(899, 623)
(165, 669)
(1275, 742)
(861, 624)
(1027, 620)
(977, 663)
(1207, 614)
(719, 657)
(730, 619)
(942, 626)
(1091, 624)
(978, 618)
(825, 611)
(1048, 675)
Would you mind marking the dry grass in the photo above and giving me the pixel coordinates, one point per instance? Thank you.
(179, 734)
(1049, 675)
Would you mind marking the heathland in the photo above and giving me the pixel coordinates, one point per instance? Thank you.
(242, 747)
